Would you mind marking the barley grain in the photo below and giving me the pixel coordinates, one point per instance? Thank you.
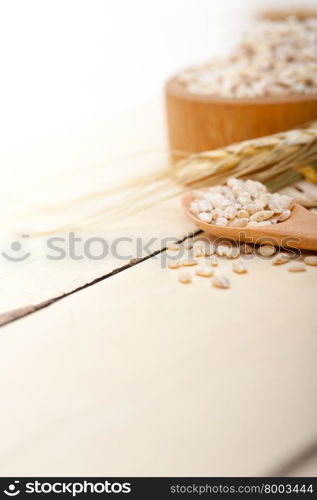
(284, 215)
(262, 223)
(184, 277)
(287, 202)
(198, 249)
(194, 208)
(267, 250)
(221, 221)
(222, 249)
(280, 259)
(243, 214)
(261, 215)
(233, 252)
(296, 267)
(203, 205)
(204, 270)
(230, 212)
(189, 262)
(311, 260)
(239, 267)
(275, 206)
(205, 216)
(219, 281)
(238, 223)
(188, 244)
(173, 264)
(252, 208)
(174, 247)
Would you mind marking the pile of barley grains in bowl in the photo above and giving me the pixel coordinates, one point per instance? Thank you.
(240, 204)
(274, 58)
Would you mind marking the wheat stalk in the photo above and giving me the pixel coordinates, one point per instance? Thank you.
(262, 158)
(275, 160)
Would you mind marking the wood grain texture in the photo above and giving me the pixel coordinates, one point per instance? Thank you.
(82, 162)
(141, 375)
(202, 123)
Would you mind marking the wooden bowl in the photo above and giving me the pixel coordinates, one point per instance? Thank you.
(200, 123)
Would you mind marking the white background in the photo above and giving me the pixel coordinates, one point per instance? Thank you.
(65, 63)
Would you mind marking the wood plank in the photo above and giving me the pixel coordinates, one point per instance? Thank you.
(39, 278)
(140, 375)
(60, 169)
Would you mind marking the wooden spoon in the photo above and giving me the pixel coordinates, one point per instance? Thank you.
(299, 231)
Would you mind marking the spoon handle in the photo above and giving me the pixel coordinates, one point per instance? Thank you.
(303, 228)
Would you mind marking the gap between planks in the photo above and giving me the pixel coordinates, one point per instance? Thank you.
(21, 312)
(290, 466)
(286, 469)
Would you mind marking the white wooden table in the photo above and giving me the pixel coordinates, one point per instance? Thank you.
(138, 374)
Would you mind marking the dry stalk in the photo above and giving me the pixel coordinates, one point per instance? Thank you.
(276, 160)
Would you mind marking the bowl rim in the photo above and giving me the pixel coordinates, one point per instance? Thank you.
(174, 88)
